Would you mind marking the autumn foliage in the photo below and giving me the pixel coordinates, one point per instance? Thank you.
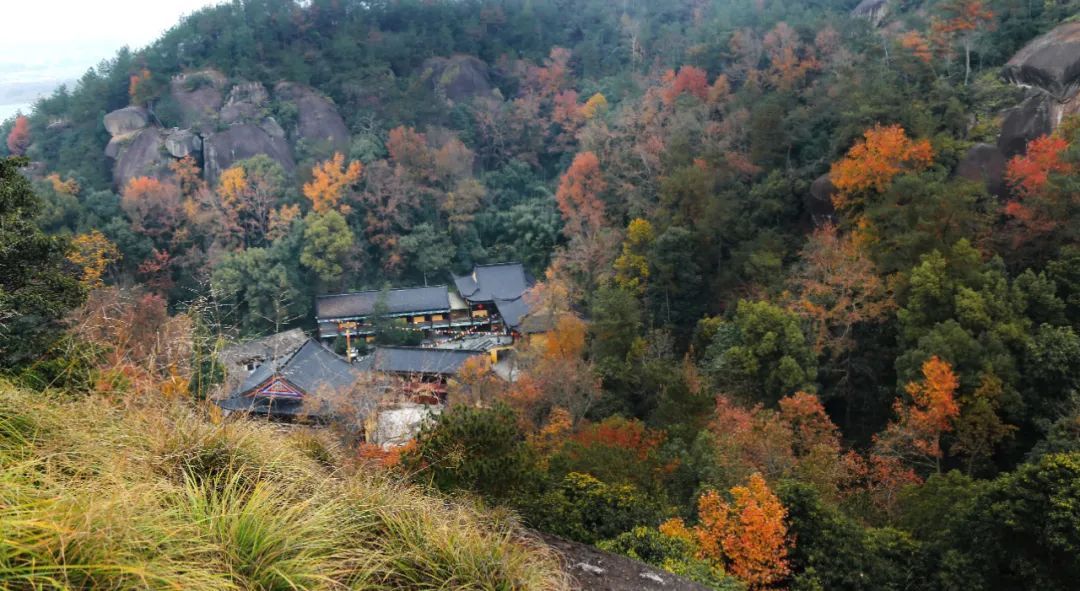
(93, 253)
(579, 195)
(873, 162)
(747, 535)
(689, 80)
(915, 434)
(330, 182)
(19, 137)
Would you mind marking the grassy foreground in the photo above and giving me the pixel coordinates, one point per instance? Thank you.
(97, 496)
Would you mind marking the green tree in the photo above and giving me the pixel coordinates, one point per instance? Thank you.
(478, 449)
(428, 249)
(37, 286)
(327, 243)
(262, 287)
(761, 354)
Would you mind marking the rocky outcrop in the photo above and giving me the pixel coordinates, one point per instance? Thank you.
(141, 154)
(986, 164)
(183, 142)
(240, 142)
(1049, 67)
(318, 122)
(219, 131)
(1025, 122)
(818, 203)
(1051, 63)
(247, 102)
(127, 120)
(596, 570)
(199, 96)
(874, 11)
(457, 78)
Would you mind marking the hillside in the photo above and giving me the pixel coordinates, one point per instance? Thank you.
(764, 294)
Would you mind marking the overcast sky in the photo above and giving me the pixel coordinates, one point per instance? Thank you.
(66, 30)
(46, 43)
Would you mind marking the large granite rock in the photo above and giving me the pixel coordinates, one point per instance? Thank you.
(183, 142)
(818, 201)
(874, 11)
(457, 78)
(126, 120)
(247, 102)
(1051, 62)
(986, 164)
(141, 153)
(240, 142)
(318, 122)
(199, 98)
(1023, 123)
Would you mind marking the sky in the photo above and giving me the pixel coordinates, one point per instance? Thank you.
(58, 40)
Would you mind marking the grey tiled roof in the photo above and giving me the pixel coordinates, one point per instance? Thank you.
(312, 368)
(398, 301)
(512, 311)
(487, 283)
(264, 348)
(416, 360)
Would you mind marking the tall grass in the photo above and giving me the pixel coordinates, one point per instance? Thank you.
(98, 496)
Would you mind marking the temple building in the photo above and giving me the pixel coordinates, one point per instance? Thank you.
(495, 294)
(488, 300)
(353, 314)
(306, 385)
(422, 373)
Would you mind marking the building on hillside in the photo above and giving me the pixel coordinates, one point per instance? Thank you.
(354, 313)
(312, 384)
(242, 359)
(422, 372)
(495, 295)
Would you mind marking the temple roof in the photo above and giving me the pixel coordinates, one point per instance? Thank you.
(417, 360)
(298, 382)
(487, 283)
(398, 301)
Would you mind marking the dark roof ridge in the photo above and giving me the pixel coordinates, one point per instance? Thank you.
(349, 293)
(408, 348)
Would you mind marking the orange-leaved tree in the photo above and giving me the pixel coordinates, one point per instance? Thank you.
(93, 253)
(873, 162)
(155, 207)
(915, 434)
(689, 80)
(330, 182)
(963, 19)
(19, 137)
(1036, 206)
(579, 195)
(747, 535)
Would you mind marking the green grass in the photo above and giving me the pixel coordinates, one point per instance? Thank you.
(95, 495)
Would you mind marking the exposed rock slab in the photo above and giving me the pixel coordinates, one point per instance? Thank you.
(318, 122)
(199, 95)
(986, 164)
(126, 120)
(596, 570)
(874, 11)
(246, 102)
(182, 142)
(458, 77)
(818, 201)
(143, 155)
(1023, 123)
(240, 142)
(1050, 62)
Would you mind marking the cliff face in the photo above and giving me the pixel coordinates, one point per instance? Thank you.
(220, 128)
(1049, 67)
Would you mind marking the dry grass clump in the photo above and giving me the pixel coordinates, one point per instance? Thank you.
(95, 496)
